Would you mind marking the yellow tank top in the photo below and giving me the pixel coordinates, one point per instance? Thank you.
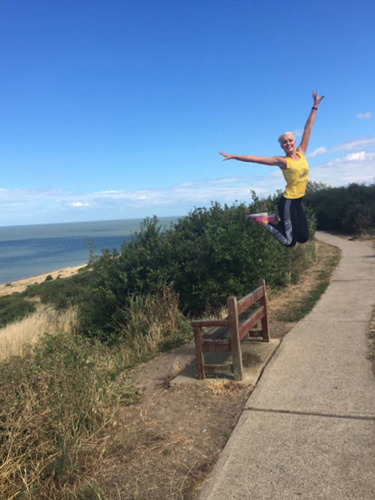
(296, 175)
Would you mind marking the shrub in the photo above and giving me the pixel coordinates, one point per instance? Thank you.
(13, 308)
(62, 293)
(216, 252)
(209, 254)
(349, 210)
(206, 256)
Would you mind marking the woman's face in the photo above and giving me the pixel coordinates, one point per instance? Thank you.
(288, 143)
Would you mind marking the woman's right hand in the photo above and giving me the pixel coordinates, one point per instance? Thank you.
(226, 156)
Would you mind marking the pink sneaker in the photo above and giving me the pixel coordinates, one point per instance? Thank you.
(273, 219)
(260, 219)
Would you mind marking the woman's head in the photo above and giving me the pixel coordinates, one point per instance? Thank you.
(287, 141)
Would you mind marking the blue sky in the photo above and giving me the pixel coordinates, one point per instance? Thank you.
(118, 109)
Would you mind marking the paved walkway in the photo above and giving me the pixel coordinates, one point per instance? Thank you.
(308, 429)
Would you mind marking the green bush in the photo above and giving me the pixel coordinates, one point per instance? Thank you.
(209, 254)
(13, 308)
(217, 252)
(205, 257)
(62, 293)
(349, 210)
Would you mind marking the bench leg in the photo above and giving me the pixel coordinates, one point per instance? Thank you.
(199, 352)
(235, 344)
(264, 320)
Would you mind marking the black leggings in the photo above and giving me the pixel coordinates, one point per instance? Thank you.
(292, 227)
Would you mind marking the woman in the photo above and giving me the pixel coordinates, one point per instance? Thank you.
(292, 227)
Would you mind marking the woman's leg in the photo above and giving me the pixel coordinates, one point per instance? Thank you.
(293, 224)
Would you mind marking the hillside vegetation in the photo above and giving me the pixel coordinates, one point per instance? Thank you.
(129, 304)
(346, 210)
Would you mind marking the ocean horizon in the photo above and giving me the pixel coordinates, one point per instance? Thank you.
(30, 250)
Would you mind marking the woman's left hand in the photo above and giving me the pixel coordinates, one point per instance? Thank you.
(316, 98)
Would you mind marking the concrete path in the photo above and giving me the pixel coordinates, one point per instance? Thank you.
(308, 429)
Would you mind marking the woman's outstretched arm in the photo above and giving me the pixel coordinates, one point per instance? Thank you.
(309, 123)
(277, 161)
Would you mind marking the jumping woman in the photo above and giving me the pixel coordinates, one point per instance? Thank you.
(292, 227)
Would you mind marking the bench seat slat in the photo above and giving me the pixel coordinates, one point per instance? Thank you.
(215, 341)
(216, 333)
(207, 323)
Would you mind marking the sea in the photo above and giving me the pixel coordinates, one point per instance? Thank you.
(37, 249)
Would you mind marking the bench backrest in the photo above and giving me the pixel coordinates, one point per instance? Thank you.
(250, 299)
(236, 308)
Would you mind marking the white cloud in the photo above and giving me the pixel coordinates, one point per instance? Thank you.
(318, 151)
(79, 204)
(362, 155)
(347, 169)
(57, 206)
(364, 116)
(31, 206)
(363, 143)
(355, 163)
(356, 144)
(226, 180)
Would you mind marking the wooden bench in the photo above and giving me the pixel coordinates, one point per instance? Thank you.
(226, 334)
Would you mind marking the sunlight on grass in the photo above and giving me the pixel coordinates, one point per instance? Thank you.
(16, 336)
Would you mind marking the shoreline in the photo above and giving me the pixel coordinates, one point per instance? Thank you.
(20, 285)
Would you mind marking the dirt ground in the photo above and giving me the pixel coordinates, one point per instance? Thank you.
(163, 447)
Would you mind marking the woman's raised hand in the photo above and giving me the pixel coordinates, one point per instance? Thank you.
(316, 98)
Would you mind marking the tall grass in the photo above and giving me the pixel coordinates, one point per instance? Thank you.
(15, 337)
(53, 402)
(154, 324)
(57, 397)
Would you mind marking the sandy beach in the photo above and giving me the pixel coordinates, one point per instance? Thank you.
(21, 285)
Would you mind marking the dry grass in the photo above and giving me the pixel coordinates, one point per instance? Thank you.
(57, 396)
(221, 386)
(155, 323)
(53, 403)
(15, 337)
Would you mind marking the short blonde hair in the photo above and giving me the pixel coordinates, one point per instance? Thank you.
(280, 139)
